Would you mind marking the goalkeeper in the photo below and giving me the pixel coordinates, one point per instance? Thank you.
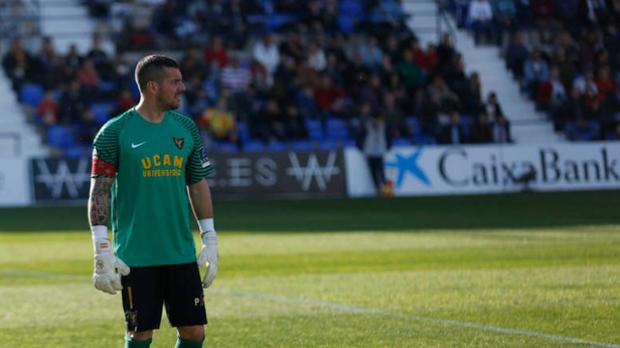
(149, 160)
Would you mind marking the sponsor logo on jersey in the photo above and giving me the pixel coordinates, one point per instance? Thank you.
(162, 165)
(179, 142)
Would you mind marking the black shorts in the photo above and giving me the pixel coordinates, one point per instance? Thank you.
(146, 289)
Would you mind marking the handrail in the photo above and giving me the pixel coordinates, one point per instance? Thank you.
(443, 17)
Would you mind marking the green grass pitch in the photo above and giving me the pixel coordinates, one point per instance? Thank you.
(520, 270)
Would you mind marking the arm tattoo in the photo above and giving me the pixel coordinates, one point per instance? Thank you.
(98, 202)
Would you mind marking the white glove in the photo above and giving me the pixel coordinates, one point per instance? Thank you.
(108, 267)
(208, 253)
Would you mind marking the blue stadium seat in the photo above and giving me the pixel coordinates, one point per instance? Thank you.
(77, 151)
(60, 136)
(253, 146)
(302, 145)
(337, 129)
(329, 144)
(276, 146)
(275, 21)
(243, 130)
(226, 146)
(102, 111)
(351, 8)
(414, 124)
(315, 129)
(107, 86)
(346, 23)
(31, 94)
(401, 142)
(466, 122)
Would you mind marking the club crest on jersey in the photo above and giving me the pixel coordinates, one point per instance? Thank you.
(179, 142)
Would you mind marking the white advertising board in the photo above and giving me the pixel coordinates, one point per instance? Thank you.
(470, 169)
(14, 179)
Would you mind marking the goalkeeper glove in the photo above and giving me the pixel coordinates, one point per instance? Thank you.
(108, 267)
(208, 254)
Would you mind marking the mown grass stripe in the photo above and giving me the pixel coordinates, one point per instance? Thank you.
(374, 311)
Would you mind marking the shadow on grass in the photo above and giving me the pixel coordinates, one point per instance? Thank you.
(518, 211)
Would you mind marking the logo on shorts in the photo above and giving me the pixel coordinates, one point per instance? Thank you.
(132, 319)
(179, 142)
(199, 301)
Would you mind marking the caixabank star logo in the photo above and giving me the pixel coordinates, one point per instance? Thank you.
(399, 166)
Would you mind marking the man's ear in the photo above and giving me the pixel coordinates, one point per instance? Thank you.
(152, 87)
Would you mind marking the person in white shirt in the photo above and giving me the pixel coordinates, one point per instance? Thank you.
(266, 53)
(481, 19)
(316, 58)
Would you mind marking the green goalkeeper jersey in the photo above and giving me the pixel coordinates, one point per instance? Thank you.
(152, 163)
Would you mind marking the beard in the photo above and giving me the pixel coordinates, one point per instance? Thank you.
(168, 104)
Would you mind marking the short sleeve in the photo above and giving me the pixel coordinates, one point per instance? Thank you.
(199, 166)
(105, 152)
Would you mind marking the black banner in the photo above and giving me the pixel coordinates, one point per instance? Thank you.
(294, 174)
(279, 174)
(60, 179)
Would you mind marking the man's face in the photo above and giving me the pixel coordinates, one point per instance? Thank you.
(170, 89)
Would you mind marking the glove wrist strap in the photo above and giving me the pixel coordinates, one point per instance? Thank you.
(207, 231)
(101, 243)
(206, 225)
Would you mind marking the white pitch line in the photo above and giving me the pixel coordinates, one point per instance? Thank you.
(458, 323)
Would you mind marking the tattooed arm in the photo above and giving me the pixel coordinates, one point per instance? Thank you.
(108, 267)
(99, 201)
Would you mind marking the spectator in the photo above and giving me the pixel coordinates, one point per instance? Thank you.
(236, 77)
(328, 97)
(453, 132)
(219, 123)
(551, 93)
(48, 107)
(294, 123)
(375, 145)
(372, 91)
(411, 74)
(72, 103)
(535, 71)
(18, 65)
(604, 84)
(394, 118)
(73, 60)
(442, 95)
(266, 53)
(192, 64)
(125, 102)
(370, 52)
(306, 104)
(292, 46)
(316, 58)
(516, 54)
(585, 83)
(481, 132)
(88, 76)
(216, 53)
(500, 126)
(261, 125)
(87, 127)
(480, 16)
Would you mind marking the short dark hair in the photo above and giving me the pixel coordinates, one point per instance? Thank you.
(151, 68)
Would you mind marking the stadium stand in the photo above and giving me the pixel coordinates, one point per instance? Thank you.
(565, 56)
(268, 74)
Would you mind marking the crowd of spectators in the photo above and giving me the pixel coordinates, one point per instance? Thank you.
(564, 53)
(269, 74)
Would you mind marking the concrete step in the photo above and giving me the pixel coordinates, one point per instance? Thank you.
(536, 134)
